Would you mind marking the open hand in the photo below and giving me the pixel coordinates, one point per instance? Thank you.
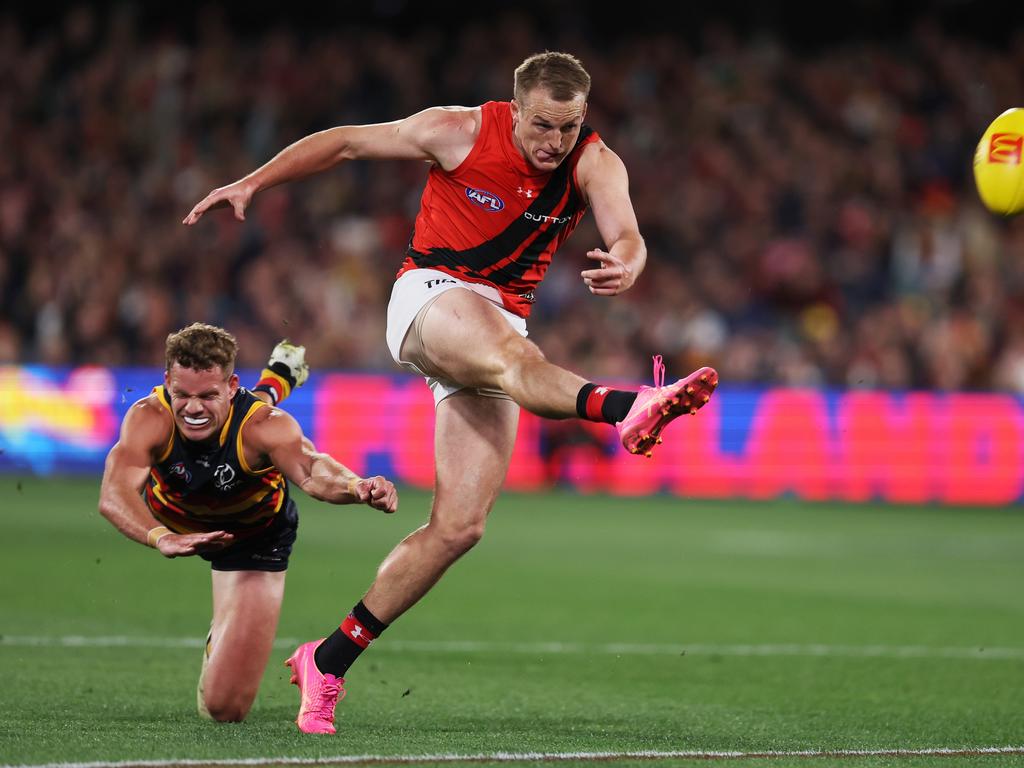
(237, 195)
(185, 544)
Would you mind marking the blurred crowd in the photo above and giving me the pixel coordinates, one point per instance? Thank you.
(810, 215)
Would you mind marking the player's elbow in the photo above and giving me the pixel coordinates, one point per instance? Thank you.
(107, 507)
(345, 147)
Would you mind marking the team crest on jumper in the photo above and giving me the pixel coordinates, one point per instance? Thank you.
(224, 477)
(486, 200)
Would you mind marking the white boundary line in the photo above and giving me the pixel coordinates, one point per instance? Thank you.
(557, 648)
(539, 757)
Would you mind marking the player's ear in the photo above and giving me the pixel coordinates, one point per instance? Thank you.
(232, 384)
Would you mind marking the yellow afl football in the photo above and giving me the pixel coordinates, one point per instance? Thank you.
(998, 167)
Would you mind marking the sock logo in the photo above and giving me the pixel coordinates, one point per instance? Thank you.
(601, 391)
(356, 632)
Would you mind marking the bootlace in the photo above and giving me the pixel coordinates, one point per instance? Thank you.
(329, 690)
(659, 371)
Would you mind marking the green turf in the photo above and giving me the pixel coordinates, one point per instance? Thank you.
(688, 582)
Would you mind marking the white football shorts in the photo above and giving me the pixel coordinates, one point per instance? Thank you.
(416, 290)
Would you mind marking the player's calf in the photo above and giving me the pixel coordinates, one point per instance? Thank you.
(201, 707)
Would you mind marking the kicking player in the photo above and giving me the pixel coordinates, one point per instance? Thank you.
(202, 468)
(509, 181)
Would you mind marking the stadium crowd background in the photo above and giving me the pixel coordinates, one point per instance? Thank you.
(809, 211)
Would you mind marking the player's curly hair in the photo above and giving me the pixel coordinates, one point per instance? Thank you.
(201, 347)
(561, 73)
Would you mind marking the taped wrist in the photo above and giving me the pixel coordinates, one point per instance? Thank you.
(155, 534)
(277, 381)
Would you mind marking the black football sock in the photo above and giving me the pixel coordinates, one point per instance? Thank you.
(595, 403)
(338, 652)
(277, 381)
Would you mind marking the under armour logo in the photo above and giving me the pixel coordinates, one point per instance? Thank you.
(601, 391)
(357, 631)
(528, 193)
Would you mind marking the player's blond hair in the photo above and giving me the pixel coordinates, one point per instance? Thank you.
(561, 73)
(201, 347)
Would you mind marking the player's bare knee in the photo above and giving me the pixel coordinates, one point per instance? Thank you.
(457, 540)
(227, 711)
(515, 353)
(229, 708)
(519, 350)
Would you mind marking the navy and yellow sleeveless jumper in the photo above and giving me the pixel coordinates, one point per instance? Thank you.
(199, 487)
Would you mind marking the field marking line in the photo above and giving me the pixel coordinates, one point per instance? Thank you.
(538, 757)
(557, 648)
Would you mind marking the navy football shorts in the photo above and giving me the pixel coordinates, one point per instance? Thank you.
(266, 551)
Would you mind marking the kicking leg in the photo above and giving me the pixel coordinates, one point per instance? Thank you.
(246, 607)
(462, 337)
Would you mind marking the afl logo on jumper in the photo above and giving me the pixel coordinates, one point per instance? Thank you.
(180, 470)
(486, 200)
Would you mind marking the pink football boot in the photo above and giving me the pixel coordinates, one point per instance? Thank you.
(320, 693)
(656, 406)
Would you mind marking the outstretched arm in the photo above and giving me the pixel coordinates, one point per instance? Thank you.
(603, 178)
(278, 436)
(438, 134)
(144, 432)
(326, 475)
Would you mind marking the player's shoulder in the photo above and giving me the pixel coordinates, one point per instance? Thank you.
(596, 152)
(447, 134)
(148, 421)
(151, 407)
(456, 117)
(444, 124)
(597, 161)
(269, 426)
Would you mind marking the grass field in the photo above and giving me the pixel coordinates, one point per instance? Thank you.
(580, 624)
